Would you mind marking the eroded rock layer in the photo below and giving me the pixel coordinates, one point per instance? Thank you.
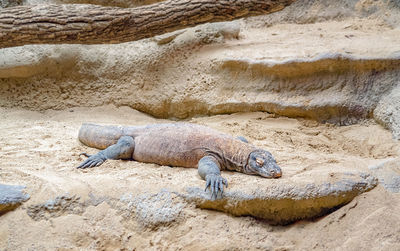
(335, 71)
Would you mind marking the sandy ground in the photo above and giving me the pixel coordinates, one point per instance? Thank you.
(40, 150)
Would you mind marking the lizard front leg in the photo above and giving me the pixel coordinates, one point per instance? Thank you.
(123, 149)
(209, 170)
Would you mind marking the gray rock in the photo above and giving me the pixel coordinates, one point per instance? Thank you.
(11, 197)
(387, 112)
(153, 210)
(64, 204)
(9, 3)
(285, 201)
(59, 206)
(388, 174)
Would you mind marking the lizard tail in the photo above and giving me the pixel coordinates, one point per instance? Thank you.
(99, 136)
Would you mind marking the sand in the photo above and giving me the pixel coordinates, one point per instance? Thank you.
(187, 76)
(40, 150)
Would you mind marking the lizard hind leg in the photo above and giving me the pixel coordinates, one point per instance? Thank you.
(123, 149)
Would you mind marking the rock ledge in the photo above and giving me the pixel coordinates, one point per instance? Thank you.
(287, 202)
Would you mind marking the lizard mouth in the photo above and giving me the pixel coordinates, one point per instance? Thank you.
(274, 172)
(278, 175)
(271, 175)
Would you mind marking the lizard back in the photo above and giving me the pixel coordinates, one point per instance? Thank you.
(173, 144)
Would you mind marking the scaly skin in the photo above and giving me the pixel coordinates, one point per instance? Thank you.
(179, 144)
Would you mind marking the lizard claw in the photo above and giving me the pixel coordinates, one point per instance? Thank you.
(216, 184)
(92, 161)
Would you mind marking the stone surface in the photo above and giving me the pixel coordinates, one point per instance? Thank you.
(388, 174)
(56, 207)
(9, 3)
(387, 111)
(312, 11)
(330, 87)
(333, 72)
(11, 196)
(286, 201)
(280, 201)
(155, 210)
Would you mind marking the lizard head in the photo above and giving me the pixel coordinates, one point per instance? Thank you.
(262, 163)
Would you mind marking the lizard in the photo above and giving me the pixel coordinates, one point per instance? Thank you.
(181, 145)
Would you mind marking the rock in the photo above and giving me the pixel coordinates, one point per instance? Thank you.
(172, 81)
(311, 11)
(9, 3)
(387, 112)
(56, 207)
(202, 34)
(62, 205)
(153, 210)
(388, 174)
(11, 197)
(207, 70)
(299, 87)
(166, 38)
(285, 201)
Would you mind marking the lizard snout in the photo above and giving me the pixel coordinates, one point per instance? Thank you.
(271, 171)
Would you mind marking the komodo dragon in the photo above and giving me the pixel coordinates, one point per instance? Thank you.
(179, 144)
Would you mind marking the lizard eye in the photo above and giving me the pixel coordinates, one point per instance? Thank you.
(260, 162)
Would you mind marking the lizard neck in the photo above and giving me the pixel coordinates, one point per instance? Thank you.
(238, 160)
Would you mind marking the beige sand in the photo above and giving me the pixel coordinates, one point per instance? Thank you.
(181, 77)
(40, 150)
